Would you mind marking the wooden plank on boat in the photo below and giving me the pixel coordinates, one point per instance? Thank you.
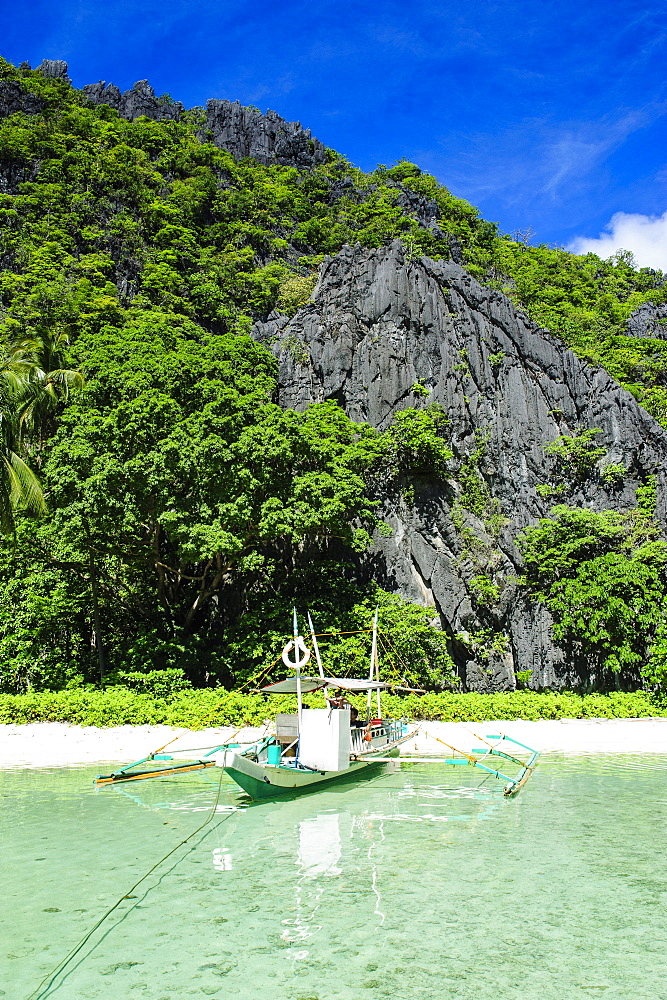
(403, 759)
(516, 786)
(118, 776)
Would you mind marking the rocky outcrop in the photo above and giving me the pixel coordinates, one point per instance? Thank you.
(379, 331)
(12, 175)
(139, 101)
(55, 69)
(14, 99)
(267, 138)
(425, 210)
(242, 131)
(648, 320)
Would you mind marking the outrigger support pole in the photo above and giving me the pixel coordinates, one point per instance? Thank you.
(125, 775)
(515, 786)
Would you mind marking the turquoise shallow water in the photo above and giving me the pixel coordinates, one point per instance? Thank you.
(420, 883)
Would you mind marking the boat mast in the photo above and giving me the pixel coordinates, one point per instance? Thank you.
(298, 671)
(374, 669)
(376, 660)
(315, 646)
(317, 652)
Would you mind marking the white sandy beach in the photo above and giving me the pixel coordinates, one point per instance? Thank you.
(55, 744)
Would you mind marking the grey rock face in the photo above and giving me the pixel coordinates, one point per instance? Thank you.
(13, 99)
(267, 138)
(54, 68)
(648, 320)
(12, 175)
(379, 323)
(424, 209)
(139, 101)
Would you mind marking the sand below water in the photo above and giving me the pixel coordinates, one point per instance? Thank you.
(55, 744)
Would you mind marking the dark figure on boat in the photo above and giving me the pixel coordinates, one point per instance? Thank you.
(355, 721)
(337, 701)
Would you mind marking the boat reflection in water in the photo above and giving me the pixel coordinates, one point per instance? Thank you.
(318, 860)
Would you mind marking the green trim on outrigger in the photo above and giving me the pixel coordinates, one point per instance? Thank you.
(513, 784)
(127, 773)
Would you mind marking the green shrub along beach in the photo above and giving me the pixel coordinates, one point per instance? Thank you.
(199, 709)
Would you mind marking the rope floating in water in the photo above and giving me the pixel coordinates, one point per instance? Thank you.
(44, 988)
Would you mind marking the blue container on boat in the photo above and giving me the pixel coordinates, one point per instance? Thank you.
(273, 754)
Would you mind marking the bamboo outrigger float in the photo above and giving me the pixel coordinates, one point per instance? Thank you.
(314, 747)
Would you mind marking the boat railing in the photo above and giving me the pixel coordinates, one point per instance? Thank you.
(396, 729)
(387, 730)
(357, 740)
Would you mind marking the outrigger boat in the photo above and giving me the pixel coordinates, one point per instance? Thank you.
(318, 745)
(314, 747)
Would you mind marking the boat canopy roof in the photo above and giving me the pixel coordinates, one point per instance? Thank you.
(288, 686)
(352, 684)
(357, 684)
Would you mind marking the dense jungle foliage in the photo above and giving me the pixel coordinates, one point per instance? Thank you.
(160, 511)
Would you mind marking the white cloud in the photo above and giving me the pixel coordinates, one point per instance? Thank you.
(644, 235)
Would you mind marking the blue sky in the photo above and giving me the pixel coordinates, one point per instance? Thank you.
(550, 116)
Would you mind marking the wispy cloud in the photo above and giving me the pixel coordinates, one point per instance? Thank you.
(580, 149)
(540, 158)
(644, 235)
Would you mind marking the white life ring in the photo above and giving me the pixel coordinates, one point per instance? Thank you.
(299, 646)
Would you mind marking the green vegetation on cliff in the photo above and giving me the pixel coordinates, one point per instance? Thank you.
(185, 510)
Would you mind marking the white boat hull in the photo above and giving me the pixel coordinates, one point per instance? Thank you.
(265, 781)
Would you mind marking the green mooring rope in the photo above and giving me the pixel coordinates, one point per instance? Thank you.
(48, 981)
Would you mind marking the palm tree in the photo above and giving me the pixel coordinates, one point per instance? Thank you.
(48, 385)
(19, 486)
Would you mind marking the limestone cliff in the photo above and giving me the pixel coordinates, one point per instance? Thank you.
(379, 325)
(386, 330)
(140, 101)
(242, 131)
(649, 320)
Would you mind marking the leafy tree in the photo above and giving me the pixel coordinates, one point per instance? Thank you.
(602, 576)
(416, 440)
(655, 669)
(612, 606)
(576, 455)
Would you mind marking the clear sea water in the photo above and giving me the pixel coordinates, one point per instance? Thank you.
(422, 882)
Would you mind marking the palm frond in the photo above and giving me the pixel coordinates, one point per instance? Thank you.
(66, 379)
(25, 490)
